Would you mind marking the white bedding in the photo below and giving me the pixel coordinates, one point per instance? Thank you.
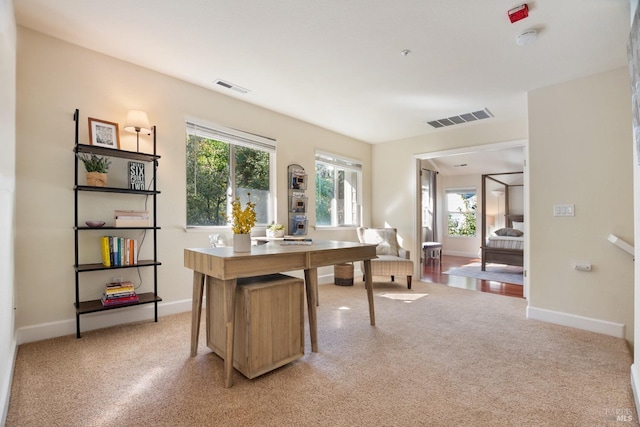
(505, 242)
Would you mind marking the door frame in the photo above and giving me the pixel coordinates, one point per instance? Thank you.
(470, 150)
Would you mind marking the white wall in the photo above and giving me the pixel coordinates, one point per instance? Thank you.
(580, 153)
(7, 199)
(54, 78)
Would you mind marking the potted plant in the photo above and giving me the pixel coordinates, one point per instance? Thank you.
(96, 167)
(275, 230)
(243, 221)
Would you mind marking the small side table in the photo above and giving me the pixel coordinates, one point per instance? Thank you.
(432, 250)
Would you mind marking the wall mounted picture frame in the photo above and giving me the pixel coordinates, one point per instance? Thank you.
(103, 133)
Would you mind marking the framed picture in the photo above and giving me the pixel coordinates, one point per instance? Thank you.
(103, 133)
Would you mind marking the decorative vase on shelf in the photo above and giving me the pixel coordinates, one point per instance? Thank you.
(242, 242)
(96, 179)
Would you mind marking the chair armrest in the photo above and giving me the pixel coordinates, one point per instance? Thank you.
(404, 253)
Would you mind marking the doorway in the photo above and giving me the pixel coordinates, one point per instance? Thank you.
(460, 167)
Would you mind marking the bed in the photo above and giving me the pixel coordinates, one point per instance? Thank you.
(505, 243)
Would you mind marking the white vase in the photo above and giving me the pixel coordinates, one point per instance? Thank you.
(242, 242)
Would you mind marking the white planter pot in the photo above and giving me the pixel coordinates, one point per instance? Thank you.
(275, 233)
(242, 242)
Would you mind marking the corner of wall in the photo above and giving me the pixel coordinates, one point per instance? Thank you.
(5, 387)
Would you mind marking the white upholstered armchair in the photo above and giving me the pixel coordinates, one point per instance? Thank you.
(392, 259)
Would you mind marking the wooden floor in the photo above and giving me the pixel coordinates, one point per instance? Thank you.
(432, 272)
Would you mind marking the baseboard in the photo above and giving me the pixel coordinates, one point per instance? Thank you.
(635, 387)
(104, 319)
(578, 322)
(5, 390)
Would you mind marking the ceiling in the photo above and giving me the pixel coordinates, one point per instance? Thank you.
(338, 63)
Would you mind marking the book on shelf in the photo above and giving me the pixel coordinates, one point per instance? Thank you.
(119, 293)
(118, 301)
(118, 251)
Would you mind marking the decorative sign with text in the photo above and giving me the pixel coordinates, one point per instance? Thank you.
(136, 176)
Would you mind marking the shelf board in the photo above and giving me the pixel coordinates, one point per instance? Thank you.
(99, 266)
(110, 227)
(94, 306)
(124, 154)
(114, 190)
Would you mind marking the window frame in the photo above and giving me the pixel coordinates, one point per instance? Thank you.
(234, 137)
(345, 164)
(460, 191)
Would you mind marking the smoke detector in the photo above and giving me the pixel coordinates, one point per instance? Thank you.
(527, 38)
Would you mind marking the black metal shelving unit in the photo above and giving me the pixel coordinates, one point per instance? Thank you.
(93, 306)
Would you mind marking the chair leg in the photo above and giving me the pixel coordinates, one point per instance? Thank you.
(408, 282)
(393, 278)
(364, 278)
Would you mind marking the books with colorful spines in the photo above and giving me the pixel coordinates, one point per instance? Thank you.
(104, 248)
(117, 301)
(114, 290)
(119, 285)
(112, 251)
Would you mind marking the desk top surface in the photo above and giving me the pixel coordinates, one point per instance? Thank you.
(276, 247)
(224, 263)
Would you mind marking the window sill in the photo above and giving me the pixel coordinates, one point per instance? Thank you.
(332, 228)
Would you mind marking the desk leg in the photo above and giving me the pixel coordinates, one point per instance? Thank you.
(369, 285)
(230, 320)
(311, 286)
(196, 310)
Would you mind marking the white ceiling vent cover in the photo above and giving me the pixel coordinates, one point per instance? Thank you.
(231, 86)
(462, 118)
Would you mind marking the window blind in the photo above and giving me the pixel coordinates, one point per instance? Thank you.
(232, 136)
(339, 161)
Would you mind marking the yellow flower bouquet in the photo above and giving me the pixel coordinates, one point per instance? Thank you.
(243, 220)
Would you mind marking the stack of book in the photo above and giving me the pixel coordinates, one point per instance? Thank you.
(296, 240)
(119, 293)
(118, 251)
(131, 218)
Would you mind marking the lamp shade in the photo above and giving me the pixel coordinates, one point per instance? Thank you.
(137, 121)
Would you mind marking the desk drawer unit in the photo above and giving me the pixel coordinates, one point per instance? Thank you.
(269, 322)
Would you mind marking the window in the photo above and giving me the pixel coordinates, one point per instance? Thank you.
(461, 208)
(223, 164)
(338, 182)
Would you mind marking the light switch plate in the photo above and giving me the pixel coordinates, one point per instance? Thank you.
(564, 210)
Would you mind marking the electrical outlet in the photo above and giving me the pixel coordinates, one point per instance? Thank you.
(583, 267)
(564, 210)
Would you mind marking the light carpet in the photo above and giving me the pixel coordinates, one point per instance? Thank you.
(453, 358)
(495, 272)
(407, 297)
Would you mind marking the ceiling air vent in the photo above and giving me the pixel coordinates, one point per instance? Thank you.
(231, 86)
(462, 118)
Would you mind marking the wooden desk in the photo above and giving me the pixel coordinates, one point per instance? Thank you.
(226, 265)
